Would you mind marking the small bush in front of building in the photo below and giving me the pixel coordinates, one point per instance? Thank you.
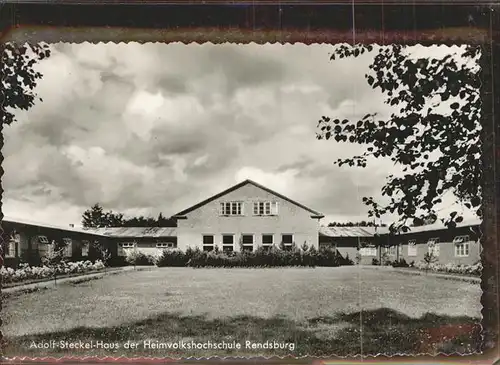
(400, 263)
(173, 258)
(138, 258)
(375, 262)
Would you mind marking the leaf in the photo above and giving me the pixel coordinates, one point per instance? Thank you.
(440, 146)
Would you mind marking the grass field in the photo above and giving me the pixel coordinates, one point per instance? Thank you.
(323, 311)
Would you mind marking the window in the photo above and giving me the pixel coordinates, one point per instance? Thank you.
(228, 242)
(247, 242)
(368, 251)
(10, 249)
(43, 239)
(67, 241)
(392, 250)
(164, 245)
(265, 208)
(267, 239)
(287, 240)
(231, 208)
(433, 246)
(128, 244)
(85, 248)
(208, 243)
(462, 249)
(412, 248)
(460, 239)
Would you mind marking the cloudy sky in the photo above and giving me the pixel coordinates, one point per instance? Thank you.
(144, 129)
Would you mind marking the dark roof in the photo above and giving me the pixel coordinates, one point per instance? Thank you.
(351, 231)
(136, 232)
(439, 226)
(26, 222)
(237, 186)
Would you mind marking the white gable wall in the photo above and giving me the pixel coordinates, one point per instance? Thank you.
(291, 219)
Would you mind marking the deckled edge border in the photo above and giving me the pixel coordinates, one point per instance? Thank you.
(446, 37)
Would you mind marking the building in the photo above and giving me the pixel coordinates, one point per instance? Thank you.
(460, 245)
(149, 240)
(347, 241)
(243, 217)
(28, 241)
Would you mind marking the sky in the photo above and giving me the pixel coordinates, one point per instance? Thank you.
(143, 129)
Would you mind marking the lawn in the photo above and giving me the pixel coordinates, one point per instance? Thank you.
(323, 311)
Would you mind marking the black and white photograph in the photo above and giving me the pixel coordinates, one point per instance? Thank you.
(198, 200)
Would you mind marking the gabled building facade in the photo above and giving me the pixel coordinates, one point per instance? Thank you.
(244, 217)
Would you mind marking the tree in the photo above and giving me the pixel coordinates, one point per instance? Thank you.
(95, 217)
(54, 256)
(356, 224)
(19, 78)
(439, 151)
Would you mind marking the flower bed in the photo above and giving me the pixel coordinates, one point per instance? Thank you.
(451, 268)
(26, 272)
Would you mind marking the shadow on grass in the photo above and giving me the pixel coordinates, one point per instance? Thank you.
(381, 331)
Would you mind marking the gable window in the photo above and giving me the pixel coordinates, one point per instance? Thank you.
(412, 248)
(43, 239)
(164, 245)
(208, 243)
(433, 246)
(369, 250)
(462, 249)
(231, 208)
(247, 241)
(228, 242)
(265, 208)
(85, 247)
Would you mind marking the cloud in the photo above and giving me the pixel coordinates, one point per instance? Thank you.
(149, 128)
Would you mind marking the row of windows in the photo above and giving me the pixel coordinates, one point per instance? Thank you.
(247, 241)
(461, 250)
(264, 208)
(161, 245)
(45, 240)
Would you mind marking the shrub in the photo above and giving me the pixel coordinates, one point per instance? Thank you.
(348, 261)
(385, 260)
(375, 262)
(174, 258)
(400, 263)
(136, 257)
(261, 257)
